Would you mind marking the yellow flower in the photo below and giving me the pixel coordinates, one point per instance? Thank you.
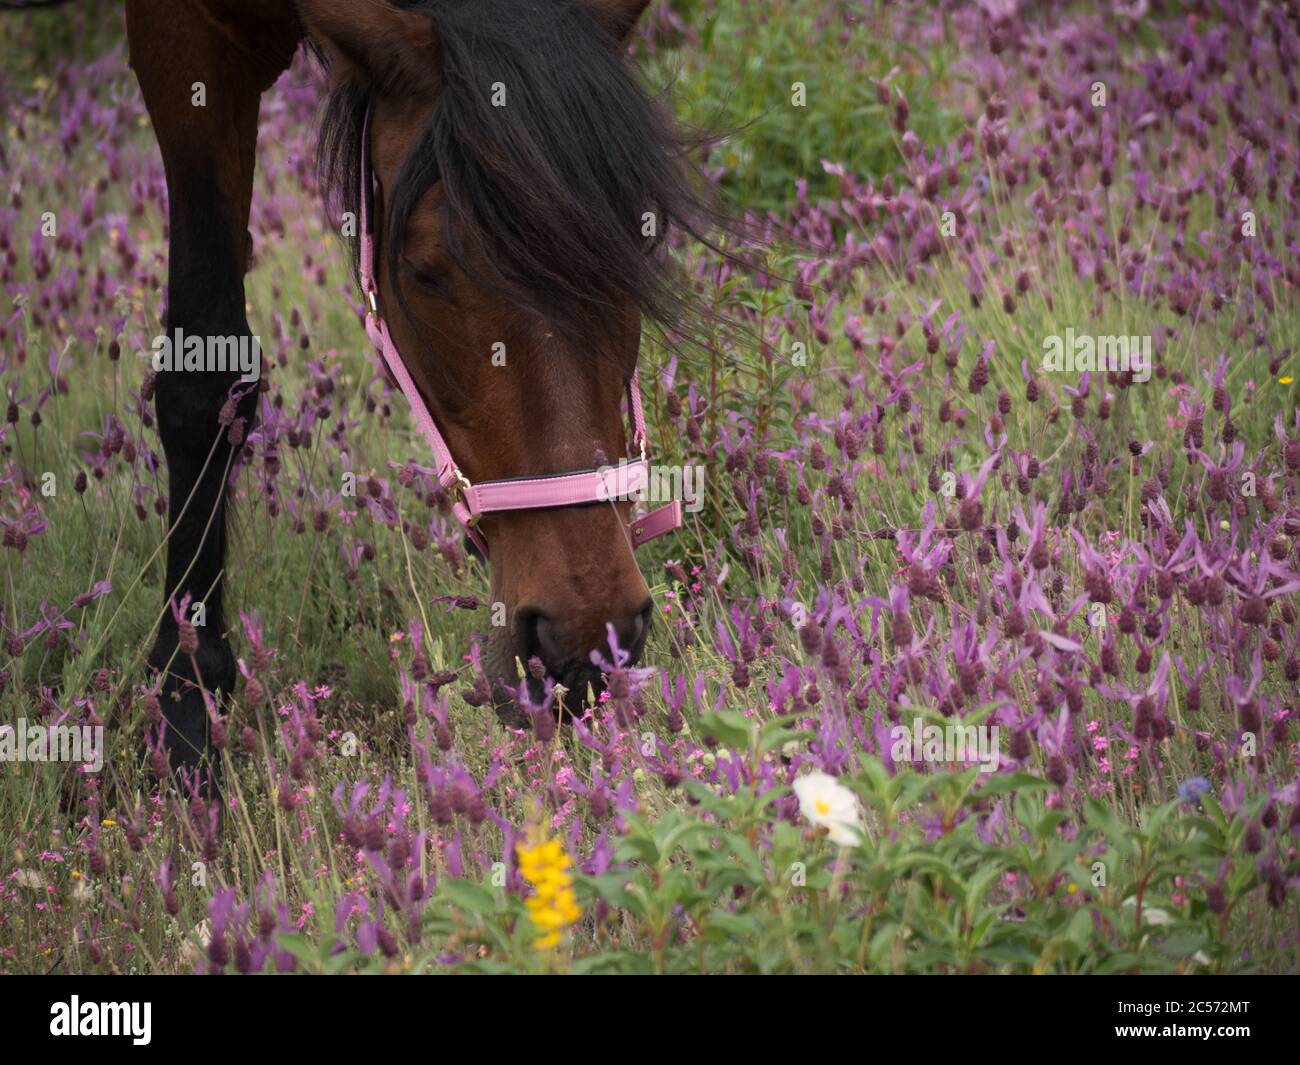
(1285, 380)
(552, 906)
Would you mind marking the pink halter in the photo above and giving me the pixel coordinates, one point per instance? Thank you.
(472, 501)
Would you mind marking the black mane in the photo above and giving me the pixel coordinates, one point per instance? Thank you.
(550, 189)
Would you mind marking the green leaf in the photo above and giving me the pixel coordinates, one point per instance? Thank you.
(1047, 824)
(611, 887)
(621, 962)
(1183, 945)
(729, 727)
(301, 948)
(1111, 826)
(672, 832)
(470, 896)
(336, 963)
(1002, 783)
(1080, 929)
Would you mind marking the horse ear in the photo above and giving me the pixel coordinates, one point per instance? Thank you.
(618, 16)
(383, 41)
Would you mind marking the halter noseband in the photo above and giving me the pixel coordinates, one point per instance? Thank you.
(471, 501)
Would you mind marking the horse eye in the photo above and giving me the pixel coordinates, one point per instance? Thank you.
(425, 277)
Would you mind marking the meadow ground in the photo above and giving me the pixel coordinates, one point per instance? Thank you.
(908, 521)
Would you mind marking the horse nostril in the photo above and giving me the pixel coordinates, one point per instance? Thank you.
(534, 637)
(525, 637)
(537, 634)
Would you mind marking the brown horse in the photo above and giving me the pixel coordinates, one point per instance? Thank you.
(515, 158)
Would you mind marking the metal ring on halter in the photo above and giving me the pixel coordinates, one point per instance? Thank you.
(461, 485)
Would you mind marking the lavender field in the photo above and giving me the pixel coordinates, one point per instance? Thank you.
(980, 655)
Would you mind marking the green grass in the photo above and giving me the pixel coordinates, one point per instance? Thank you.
(333, 630)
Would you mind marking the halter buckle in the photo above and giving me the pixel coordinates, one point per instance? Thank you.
(374, 305)
(459, 487)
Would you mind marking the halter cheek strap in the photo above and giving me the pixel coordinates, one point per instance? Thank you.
(471, 501)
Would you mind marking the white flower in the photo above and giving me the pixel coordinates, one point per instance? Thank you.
(1150, 914)
(827, 803)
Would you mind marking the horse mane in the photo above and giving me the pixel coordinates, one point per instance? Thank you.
(551, 189)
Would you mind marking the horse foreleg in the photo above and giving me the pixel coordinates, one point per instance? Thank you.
(208, 138)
